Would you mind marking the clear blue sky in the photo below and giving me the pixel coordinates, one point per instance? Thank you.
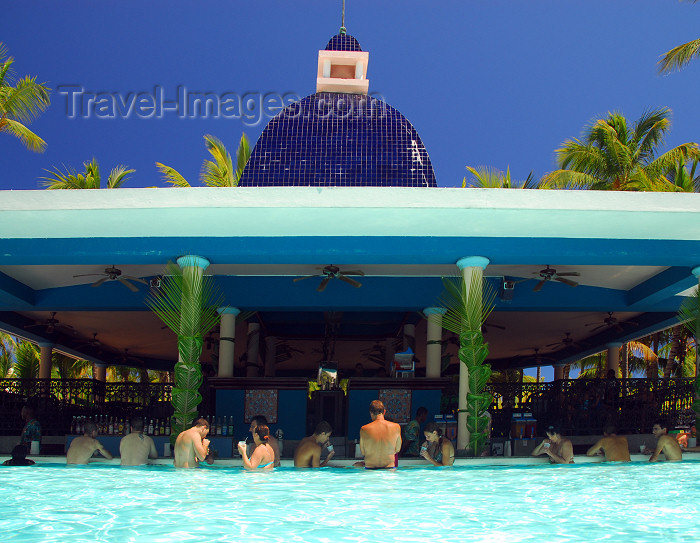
(487, 82)
(490, 82)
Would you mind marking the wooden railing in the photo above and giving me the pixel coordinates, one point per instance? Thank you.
(57, 401)
(578, 406)
(584, 406)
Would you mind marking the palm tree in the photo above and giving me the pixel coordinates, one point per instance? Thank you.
(491, 178)
(679, 57)
(26, 364)
(8, 345)
(90, 179)
(616, 156)
(215, 173)
(21, 102)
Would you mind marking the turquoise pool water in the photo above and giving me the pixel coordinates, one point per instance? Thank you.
(639, 501)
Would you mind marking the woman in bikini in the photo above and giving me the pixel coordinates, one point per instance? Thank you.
(437, 450)
(263, 456)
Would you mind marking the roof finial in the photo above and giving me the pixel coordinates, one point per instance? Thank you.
(342, 21)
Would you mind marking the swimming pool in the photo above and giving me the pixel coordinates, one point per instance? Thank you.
(105, 503)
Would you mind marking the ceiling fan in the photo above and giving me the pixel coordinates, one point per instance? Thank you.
(611, 322)
(550, 274)
(114, 274)
(568, 341)
(538, 359)
(333, 272)
(51, 324)
(93, 343)
(129, 360)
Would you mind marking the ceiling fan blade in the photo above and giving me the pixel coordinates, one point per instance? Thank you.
(349, 281)
(99, 282)
(566, 281)
(322, 286)
(132, 288)
(569, 274)
(539, 286)
(598, 327)
(87, 274)
(553, 344)
(352, 272)
(305, 277)
(137, 279)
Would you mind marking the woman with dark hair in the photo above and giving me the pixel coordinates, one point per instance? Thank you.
(436, 449)
(263, 456)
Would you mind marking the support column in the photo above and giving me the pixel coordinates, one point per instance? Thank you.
(472, 269)
(558, 373)
(45, 352)
(614, 357)
(270, 355)
(100, 372)
(252, 367)
(409, 337)
(389, 355)
(434, 340)
(227, 336)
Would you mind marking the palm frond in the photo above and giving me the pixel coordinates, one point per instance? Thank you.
(118, 176)
(679, 57)
(28, 138)
(466, 310)
(242, 157)
(568, 179)
(172, 176)
(689, 313)
(218, 172)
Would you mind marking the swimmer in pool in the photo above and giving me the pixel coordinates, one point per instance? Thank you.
(263, 456)
(559, 449)
(272, 441)
(19, 457)
(380, 440)
(308, 453)
(135, 448)
(191, 447)
(82, 448)
(437, 450)
(615, 448)
(665, 444)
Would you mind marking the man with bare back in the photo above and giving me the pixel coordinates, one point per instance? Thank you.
(191, 447)
(380, 440)
(82, 448)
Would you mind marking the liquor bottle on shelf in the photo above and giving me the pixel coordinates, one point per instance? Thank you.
(218, 426)
(168, 422)
(73, 425)
(150, 428)
(224, 428)
(230, 426)
(121, 426)
(156, 429)
(212, 426)
(111, 426)
(161, 428)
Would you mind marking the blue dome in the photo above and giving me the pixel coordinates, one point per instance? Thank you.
(343, 42)
(339, 140)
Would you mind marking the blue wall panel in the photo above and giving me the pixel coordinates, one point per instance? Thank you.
(291, 412)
